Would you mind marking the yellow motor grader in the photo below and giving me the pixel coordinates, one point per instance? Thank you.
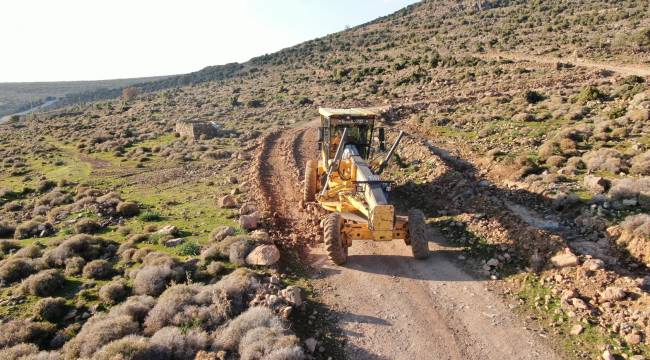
(345, 182)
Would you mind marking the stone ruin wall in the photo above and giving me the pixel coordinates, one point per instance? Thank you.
(194, 129)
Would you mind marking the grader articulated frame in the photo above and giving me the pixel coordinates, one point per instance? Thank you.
(345, 183)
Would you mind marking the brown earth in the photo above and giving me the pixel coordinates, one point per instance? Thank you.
(389, 305)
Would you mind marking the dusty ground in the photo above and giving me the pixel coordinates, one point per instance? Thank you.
(389, 305)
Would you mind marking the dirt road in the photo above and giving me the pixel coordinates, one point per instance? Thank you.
(623, 69)
(389, 305)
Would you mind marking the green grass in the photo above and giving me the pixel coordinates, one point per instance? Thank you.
(449, 131)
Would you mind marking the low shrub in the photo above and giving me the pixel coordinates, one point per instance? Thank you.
(86, 226)
(84, 246)
(179, 344)
(189, 248)
(44, 283)
(14, 332)
(98, 269)
(152, 280)
(7, 229)
(239, 250)
(114, 292)
(589, 93)
(189, 305)
(45, 185)
(8, 246)
(32, 251)
(270, 343)
(136, 307)
(252, 318)
(74, 266)
(215, 268)
(20, 352)
(33, 228)
(640, 164)
(639, 225)
(127, 209)
(605, 159)
(533, 97)
(98, 331)
(51, 309)
(15, 269)
(131, 347)
(629, 188)
(150, 216)
(220, 250)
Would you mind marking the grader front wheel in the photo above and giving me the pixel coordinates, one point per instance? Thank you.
(418, 234)
(311, 178)
(336, 250)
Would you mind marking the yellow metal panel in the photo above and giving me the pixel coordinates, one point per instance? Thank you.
(353, 112)
(382, 217)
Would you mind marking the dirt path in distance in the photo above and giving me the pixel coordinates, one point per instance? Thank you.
(623, 69)
(389, 305)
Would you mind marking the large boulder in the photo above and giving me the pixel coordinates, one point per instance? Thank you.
(227, 202)
(247, 208)
(249, 222)
(263, 255)
(221, 233)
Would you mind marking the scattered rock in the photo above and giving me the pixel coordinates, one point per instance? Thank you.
(260, 235)
(594, 264)
(222, 232)
(227, 202)
(168, 230)
(633, 338)
(577, 329)
(492, 262)
(292, 294)
(613, 293)
(608, 355)
(174, 242)
(247, 208)
(564, 259)
(249, 222)
(579, 304)
(263, 255)
(310, 344)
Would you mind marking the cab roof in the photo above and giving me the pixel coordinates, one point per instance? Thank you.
(352, 112)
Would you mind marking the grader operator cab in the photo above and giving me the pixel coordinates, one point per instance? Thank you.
(346, 182)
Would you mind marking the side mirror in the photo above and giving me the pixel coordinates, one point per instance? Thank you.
(382, 139)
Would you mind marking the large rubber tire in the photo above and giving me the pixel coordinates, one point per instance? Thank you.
(311, 179)
(336, 251)
(418, 234)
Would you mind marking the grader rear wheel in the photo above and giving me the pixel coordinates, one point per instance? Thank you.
(418, 234)
(311, 178)
(336, 251)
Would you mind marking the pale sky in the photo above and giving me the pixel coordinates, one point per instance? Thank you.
(54, 40)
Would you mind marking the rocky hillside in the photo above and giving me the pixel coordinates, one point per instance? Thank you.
(529, 128)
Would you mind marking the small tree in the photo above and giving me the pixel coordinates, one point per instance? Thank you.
(130, 93)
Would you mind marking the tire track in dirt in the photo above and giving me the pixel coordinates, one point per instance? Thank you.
(277, 179)
(389, 305)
